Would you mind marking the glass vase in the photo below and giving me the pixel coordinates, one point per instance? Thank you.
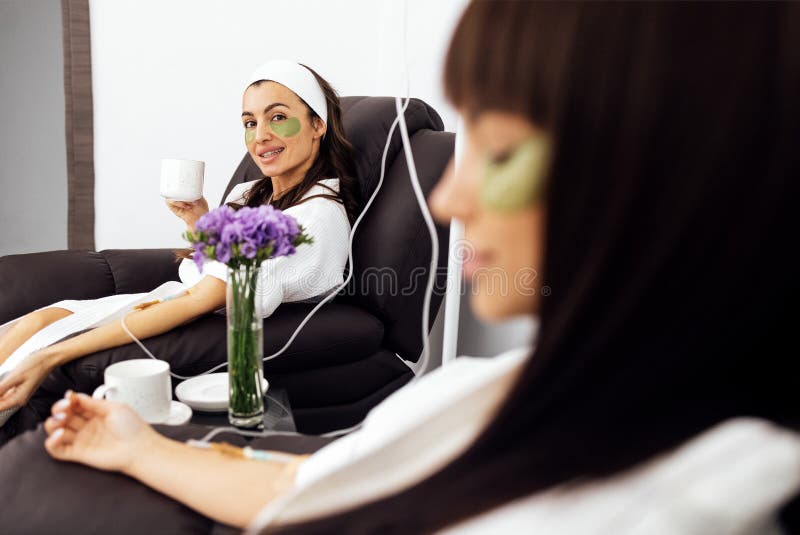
(245, 349)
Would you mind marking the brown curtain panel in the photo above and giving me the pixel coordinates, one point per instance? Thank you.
(79, 123)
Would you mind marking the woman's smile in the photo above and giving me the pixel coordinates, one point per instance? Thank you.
(268, 155)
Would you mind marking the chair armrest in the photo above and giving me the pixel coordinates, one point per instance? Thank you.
(140, 270)
(31, 281)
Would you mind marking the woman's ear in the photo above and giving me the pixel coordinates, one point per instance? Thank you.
(319, 127)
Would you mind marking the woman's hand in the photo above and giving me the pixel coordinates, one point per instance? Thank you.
(97, 433)
(190, 212)
(20, 384)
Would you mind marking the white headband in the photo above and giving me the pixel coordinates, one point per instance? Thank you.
(297, 78)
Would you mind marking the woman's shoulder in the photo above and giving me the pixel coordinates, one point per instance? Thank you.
(320, 198)
(325, 186)
(317, 209)
(238, 192)
(729, 475)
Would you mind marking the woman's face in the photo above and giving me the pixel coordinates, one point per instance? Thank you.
(503, 246)
(278, 131)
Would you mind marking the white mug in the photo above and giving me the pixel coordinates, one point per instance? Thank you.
(182, 180)
(142, 384)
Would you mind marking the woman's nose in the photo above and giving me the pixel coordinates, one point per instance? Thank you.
(454, 195)
(263, 132)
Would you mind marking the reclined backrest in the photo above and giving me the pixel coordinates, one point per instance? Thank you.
(391, 250)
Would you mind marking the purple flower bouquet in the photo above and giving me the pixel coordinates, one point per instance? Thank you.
(247, 236)
(242, 239)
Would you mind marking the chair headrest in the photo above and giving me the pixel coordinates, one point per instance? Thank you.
(367, 121)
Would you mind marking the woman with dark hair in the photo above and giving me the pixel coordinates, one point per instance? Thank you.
(293, 132)
(642, 158)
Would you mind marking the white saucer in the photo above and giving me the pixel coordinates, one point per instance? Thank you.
(179, 413)
(208, 393)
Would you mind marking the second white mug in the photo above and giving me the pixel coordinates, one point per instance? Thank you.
(143, 384)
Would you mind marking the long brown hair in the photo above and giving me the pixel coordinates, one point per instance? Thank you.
(335, 160)
(671, 214)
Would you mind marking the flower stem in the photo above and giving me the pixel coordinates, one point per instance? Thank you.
(244, 347)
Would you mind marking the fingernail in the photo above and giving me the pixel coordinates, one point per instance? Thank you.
(59, 416)
(62, 404)
(57, 433)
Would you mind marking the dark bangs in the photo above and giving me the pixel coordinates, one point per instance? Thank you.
(527, 79)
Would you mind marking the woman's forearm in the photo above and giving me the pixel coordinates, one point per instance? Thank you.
(204, 297)
(228, 489)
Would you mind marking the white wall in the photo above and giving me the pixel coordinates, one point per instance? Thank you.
(168, 77)
(33, 159)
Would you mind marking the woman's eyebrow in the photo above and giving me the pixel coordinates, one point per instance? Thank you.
(266, 110)
(275, 105)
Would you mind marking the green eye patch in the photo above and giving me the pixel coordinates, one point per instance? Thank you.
(287, 128)
(515, 183)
